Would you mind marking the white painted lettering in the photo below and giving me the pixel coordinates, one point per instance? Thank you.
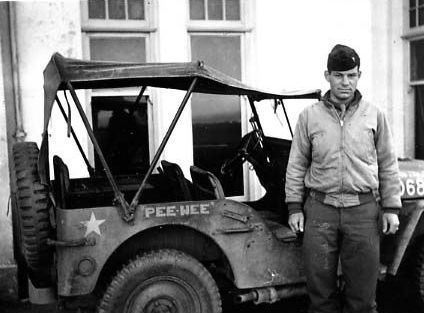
(204, 208)
(194, 209)
(170, 210)
(148, 211)
(160, 211)
(184, 210)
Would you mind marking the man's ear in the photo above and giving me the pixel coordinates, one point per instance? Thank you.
(327, 75)
(359, 74)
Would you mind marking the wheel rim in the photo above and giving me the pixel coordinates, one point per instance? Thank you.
(163, 294)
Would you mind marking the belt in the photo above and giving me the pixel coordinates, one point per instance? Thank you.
(324, 197)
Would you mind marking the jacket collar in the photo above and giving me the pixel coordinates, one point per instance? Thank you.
(356, 98)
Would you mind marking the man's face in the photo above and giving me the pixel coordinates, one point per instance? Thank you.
(343, 83)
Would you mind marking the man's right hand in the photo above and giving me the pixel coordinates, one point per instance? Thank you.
(296, 221)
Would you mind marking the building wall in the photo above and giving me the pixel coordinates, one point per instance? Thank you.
(5, 220)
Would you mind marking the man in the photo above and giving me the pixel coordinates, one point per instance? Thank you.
(342, 161)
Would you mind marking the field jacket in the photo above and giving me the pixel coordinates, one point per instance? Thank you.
(343, 157)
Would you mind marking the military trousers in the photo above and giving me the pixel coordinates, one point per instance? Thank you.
(349, 235)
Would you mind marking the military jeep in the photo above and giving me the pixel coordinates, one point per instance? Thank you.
(154, 240)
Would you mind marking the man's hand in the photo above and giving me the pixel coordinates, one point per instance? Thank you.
(296, 221)
(390, 223)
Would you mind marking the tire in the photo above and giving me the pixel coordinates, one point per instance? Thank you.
(33, 217)
(162, 281)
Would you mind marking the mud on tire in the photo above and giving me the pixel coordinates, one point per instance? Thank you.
(33, 219)
(162, 281)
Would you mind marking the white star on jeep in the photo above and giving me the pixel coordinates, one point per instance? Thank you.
(92, 225)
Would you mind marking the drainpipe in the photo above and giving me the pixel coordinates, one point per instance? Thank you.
(20, 134)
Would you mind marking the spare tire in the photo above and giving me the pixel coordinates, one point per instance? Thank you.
(33, 220)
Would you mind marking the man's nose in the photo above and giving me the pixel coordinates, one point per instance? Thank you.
(345, 80)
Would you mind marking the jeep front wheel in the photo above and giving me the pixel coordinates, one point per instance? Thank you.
(162, 281)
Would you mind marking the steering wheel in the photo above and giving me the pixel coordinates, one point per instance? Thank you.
(249, 143)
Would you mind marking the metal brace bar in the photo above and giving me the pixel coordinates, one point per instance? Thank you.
(119, 197)
(140, 94)
(155, 160)
(87, 163)
(287, 117)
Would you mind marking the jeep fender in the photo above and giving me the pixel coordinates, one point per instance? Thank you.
(255, 256)
(411, 226)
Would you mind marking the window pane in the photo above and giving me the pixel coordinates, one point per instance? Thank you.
(421, 2)
(117, 9)
(122, 132)
(136, 9)
(420, 16)
(411, 3)
(232, 10)
(197, 9)
(217, 118)
(128, 49)
(417, 59)
(96, 9)
(215, 10)
(412, 18)
(419, 122)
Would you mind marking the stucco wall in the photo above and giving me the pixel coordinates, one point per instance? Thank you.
(295, 37)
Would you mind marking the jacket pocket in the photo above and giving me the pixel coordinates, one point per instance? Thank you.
(318, 142)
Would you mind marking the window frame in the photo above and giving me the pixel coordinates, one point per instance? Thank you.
(410, 32)
(115, 25)
(243, 25)
(147, 29)
(252, 189)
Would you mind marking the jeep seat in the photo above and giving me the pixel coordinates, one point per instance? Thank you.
(179, 184)
(206, 185)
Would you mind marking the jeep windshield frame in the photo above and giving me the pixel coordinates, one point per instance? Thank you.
(69, 75)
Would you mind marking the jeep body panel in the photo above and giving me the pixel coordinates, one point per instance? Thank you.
(254, 253)
(410, 216)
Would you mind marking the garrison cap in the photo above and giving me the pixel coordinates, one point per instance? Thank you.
(342, 58)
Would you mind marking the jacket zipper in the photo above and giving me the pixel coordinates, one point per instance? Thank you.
(341, 122)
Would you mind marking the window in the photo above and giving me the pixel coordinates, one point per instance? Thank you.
(415, 33)
(116, 15)
(417, 59)
(116, 9)
(120, 126)
(218, 121)
(105, 48)
(227, 10)
(416, 13)
(119, 30)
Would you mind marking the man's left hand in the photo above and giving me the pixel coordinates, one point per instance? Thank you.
(390, 223)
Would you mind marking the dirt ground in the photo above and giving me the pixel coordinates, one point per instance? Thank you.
(389, 301)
